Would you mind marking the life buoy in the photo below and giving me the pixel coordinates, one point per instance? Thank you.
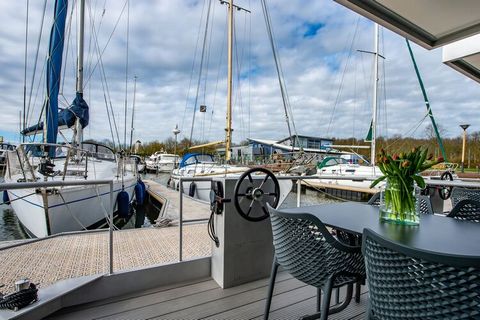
(192, 189)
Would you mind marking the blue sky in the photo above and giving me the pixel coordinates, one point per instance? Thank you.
(327, 79)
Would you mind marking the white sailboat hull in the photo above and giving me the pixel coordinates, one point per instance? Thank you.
(67, 209)
(344, 171)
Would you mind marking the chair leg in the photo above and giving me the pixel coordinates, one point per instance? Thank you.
(327, 289)
(319, 299)
(271, 285)
(337, 295)
(358, 286)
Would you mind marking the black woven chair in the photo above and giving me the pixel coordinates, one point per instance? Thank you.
(424, 205)
(466, 210)
(374, 200)
(405, 283)
(459, 194)
(306, 249)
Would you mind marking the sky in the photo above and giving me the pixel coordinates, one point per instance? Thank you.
(327, 80)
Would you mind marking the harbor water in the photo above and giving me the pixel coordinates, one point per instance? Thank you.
(10, 229)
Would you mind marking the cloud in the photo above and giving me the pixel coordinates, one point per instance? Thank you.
(328, 96)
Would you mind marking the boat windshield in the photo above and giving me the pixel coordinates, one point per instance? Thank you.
(7, 147)
(169, 158)
(98, 151)
(332, 161)
(204, 158)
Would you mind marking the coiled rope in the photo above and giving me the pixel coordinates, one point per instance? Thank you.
(19, 299)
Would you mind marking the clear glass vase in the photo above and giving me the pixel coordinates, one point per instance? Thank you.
(397, 202)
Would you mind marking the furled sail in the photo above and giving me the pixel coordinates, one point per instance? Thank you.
(78, 108)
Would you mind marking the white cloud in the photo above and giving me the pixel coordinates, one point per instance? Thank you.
(162, 42)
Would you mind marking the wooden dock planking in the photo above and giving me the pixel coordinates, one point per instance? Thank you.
(321, 185)
(193, 209)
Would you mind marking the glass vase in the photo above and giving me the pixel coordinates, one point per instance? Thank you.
(397, 202)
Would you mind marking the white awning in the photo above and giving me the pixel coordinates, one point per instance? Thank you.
(429, 23)
(464, 56)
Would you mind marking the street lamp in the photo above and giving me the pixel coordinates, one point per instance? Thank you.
(175, 131)
(464, 127)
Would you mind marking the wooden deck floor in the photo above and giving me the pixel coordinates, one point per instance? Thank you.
(204, 299)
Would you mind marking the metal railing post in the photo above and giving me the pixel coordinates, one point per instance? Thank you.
(299, 192)
(110, 227)
(180, 247)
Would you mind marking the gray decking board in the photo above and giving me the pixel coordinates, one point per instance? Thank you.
(107, 307)
(234, 301)
(163, 309)
(205, 300)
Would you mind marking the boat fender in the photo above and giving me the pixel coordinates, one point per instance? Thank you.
(139, 193)
(192, 189)
(6, 200)
(144, 187)
(123, 204)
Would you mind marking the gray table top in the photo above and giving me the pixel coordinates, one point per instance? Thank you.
(434, 234)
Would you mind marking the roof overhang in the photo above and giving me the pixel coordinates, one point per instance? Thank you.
(429, 23)
(464, 56)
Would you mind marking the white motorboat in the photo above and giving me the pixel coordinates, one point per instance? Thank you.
(161, 162)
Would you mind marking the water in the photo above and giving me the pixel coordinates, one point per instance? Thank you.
(10, 228)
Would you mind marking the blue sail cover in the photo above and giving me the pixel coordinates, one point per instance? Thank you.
(66, 117)
(54, 68)
(78, 108)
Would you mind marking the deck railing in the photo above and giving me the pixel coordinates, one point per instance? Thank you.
(111, 254)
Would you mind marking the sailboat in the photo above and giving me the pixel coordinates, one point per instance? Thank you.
(46, 211)
(204, 165)
(340, 167)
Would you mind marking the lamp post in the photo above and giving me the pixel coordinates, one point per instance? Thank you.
(175, 131)
(464, 127)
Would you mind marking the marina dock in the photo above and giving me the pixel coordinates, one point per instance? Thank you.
(350, 193)
(48, 260)
(169, 199)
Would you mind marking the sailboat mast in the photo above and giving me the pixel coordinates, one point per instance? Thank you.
(133, 111)
(228, 129)
(79, 86)
(374, 99)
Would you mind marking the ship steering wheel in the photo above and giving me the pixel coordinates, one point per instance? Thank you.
(445, 192)
(249, 195)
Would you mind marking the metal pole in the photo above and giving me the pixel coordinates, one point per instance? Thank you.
(110, 241)
(463, 149)
(299, 191)
(464, 127)
(180, 258)
(228, 138)
(374, 106)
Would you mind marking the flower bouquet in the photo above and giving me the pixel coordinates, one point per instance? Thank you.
(402, 172)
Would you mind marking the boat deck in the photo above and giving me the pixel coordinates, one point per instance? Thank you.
(49, 260)
(204, 299)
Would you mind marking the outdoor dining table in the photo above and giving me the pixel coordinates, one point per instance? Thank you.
(437, 234)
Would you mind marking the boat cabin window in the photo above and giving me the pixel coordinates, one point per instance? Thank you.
(168, 158)
(333, 162)
(7, 147)
(204, 158)
(99, 151)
